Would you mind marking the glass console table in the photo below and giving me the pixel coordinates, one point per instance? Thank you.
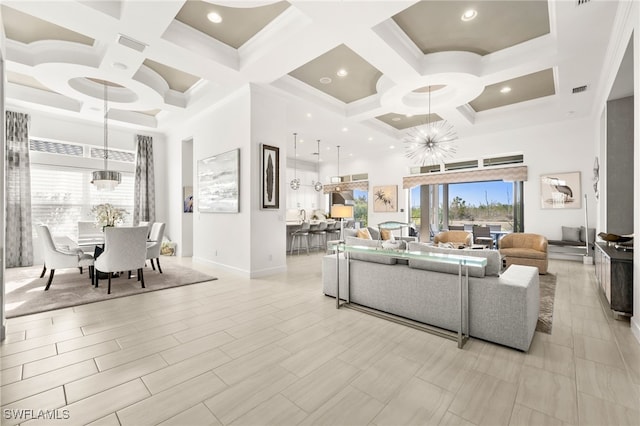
(463, 263)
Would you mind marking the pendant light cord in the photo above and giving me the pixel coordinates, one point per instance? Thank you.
(106, 129)
(295, 155)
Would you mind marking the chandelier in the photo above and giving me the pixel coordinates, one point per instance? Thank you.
(295, 182)
(318, 185)
(432, 143)
(106, 180)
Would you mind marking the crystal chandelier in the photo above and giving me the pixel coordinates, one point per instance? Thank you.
(318, 185)
(295, 182)
(432, 143)
(106, 180)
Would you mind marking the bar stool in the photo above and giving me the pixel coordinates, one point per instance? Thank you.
(321, 232)
(303, 232)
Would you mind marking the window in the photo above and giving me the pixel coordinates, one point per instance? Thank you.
(61, 192)
(361, 207)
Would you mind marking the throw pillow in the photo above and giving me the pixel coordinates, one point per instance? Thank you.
(387, 235)
(363, 233)
(570, 233)
(583, 234)
(375, 234)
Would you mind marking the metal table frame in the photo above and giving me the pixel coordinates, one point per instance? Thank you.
(463, 263)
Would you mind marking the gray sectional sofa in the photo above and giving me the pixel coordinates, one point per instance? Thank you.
(503, 306)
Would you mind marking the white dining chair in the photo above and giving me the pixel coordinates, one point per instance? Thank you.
(154, 244)
(125, 249)
(148, 225)
(57, 258)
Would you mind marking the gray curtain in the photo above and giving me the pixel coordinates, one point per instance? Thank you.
(19, 242)
(144, 200)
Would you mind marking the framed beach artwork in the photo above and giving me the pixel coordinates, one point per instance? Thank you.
(385, 198)
(219, 183)
(560, 191)
(270, 177)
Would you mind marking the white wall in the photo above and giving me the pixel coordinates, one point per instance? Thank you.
(567, 146)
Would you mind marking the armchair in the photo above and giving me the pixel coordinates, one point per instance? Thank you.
(525, 249)
(56, 258)
(454, 237)
(125, 249)
(155, 243)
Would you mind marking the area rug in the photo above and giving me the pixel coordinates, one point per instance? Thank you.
(547, 296)
(24, 290)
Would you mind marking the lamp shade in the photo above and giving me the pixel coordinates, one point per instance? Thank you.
(106, 180)
(341, 211)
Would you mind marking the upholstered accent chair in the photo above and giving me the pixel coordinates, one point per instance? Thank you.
(454, 237)
(521, 248)
(58, 258)
(155, 243)
(125, 249)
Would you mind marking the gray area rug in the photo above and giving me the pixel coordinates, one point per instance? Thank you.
(547, 296)
(24, 290)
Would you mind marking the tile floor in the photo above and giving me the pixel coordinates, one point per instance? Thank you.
(276, 351)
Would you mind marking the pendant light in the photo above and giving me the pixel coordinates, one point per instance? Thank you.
(295, 183)
(318, 185)
(106, 180)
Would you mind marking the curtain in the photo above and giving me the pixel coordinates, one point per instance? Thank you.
(144, 196)
(19, 242)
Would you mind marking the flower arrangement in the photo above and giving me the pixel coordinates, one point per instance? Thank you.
(108, 215)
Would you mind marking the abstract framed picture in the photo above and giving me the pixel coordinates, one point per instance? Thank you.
(187, 199)
(560, 191)
(270, 176)
(385, 198)
(219, 183)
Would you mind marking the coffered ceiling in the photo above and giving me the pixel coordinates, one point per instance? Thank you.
(354, 73)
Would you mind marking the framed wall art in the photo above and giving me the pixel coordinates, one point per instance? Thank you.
(187, 199)
(270, 177)
(385, 198)
(560, 191)
(219, 183)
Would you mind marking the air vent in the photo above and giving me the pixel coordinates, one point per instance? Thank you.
(131, 43)
(579, 89)
(581, 2)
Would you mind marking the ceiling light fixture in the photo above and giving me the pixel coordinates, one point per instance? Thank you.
(345, 129)
(318, 185)
(432, 143)
(325, 80)
(505, 89)
(469, 15)
(295, 182)
(106, 180)
(119, 66)
(342, 72)
(214, 17)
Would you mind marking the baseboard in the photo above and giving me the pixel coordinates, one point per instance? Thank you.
(248, 274)
(635, 328)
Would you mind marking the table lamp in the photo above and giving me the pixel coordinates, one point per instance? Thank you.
(340, 211)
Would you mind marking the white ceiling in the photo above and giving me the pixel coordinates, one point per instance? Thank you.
(181, 70)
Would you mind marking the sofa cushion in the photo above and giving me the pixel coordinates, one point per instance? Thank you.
(570, 233)
(375, 234)
(447, 268)
(524, 253)
(376, 258)
(350, 232)
(386, 234)
(494, 262)
(591, 233)
(363, 233)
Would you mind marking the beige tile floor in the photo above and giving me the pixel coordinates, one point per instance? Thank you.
(276, 351)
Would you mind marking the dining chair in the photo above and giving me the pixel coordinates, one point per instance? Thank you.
(482, 235)
(125, 249)
(56, 258)
(154, 244)
(148, 225)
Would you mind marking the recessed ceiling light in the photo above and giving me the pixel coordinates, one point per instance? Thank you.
(351, 154)
(469, 14)
(396, 119)
(325, 80)
(505, 89)
(342, 72)
(309, 115)
(370, 138)
(214, 17)
(119, 66)
(301, 140)
(345, 129)
(392, 147)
